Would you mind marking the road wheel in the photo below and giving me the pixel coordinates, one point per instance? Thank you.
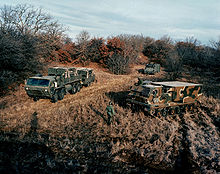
(133, 107)
(172, 111)
(145, 110)
(191, 107)
(186, 108)
(158, 113)
(152, 112)
(55, 97)
(164, 112)
(61, 94)
(177, 109)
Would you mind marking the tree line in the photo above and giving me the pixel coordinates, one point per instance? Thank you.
(31, 38)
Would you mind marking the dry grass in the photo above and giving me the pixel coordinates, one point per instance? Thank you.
(76, 128)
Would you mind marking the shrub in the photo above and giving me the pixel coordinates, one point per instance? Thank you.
(97, 50)
(158, 51)
(118, 64)
(173, 65)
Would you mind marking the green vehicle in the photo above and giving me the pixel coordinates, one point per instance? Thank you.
(87, 75)
(58, 82)
(151, 68)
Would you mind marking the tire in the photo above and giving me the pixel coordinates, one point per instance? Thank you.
(55, 97)
(78, 87)
(88, 84)
(73, 90)
(35, 99)
(61, 94)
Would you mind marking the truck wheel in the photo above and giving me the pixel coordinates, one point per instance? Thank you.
(61, 94)
(55, 97)
(73, 90)
(35, 99)
(78, 87)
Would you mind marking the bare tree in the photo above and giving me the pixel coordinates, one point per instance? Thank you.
(82, 38)
(26, 36)
(26, 19)
(82, 41)
(133, 46)
(118, 64)
(173, 65)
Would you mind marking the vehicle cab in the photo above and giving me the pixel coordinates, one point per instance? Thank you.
(40, 87)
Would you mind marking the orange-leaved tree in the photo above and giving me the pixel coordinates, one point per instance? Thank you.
(97, 50)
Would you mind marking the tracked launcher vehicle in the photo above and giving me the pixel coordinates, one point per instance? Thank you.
(58, 82)
(163, 98)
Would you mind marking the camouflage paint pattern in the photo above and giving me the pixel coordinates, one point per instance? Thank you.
(164, 94)
(59, 80)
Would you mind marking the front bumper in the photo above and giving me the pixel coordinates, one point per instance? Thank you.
(38, 93)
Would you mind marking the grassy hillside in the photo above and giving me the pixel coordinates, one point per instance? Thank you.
(72, 135)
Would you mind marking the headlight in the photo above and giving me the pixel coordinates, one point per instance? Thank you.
(26, 88)
(45, 90)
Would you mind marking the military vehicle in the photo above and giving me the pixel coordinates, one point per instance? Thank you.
(87, 75)
(163, 98)
(58, 82)
(151, 68)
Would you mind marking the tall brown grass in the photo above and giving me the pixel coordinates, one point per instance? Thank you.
(76, 128)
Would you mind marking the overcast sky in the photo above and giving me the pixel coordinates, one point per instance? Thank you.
(155, 18)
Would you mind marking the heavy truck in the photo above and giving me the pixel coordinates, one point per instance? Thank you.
(58, 82)
(164, 98)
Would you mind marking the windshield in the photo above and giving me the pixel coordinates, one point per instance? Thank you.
(37, 82)
(149, 66)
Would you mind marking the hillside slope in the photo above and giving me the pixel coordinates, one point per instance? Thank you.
(72, 135)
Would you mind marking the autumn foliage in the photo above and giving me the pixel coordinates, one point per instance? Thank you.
(115, 45)
(25, 50)
(64, 54)
(97, 50)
